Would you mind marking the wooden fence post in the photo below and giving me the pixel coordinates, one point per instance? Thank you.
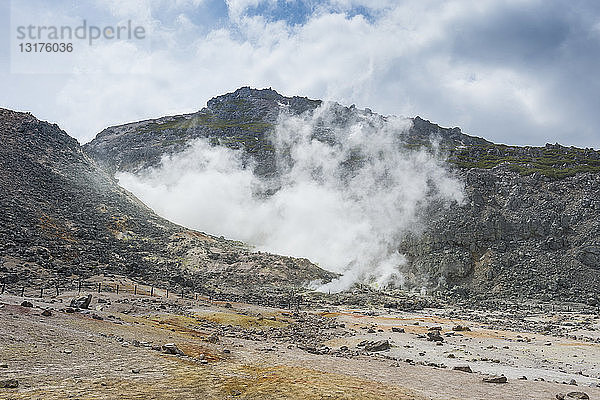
(167, 293)
(152, 291)
(41, 292)
(117, 289)
(3, 287)
(99, 286)
(79, 286)
(23, 291)
(57, 290)
(134, 289)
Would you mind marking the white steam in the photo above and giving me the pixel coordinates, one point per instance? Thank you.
(348, 220)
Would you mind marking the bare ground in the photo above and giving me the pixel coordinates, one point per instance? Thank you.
(242, 351)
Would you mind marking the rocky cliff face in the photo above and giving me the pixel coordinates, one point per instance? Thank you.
(529, 227)
(518, 236)
(62, 216)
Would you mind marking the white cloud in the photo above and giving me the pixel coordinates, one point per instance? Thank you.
(238, 7)
(403, 61)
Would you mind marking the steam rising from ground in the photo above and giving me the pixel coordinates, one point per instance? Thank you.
(344, 201)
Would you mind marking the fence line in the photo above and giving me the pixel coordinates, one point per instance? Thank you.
(289, 300)
(41, 291)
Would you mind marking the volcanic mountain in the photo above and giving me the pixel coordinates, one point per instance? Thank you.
(529, 227)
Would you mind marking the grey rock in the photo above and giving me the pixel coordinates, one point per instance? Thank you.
(495, 379)
(212, 338)
(460, 328)
(463, 368)
(379, 345)
(572, 396)
(434, 336)
(9, 383)
(82, 302)
(171, 348)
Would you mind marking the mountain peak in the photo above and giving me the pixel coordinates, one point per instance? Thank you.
(267, 96)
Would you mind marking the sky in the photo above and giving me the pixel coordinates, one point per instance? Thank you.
(520, 72)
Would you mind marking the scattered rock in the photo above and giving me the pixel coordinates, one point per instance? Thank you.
(27, 304)
(46, 313)
(171, 348)
(82, 302)
(212, 339)
(572, 396)
(463, 368)
(495, 379)
(397, 330)
(9, 383)
(460, 328)
(69, 310)
(3, 365)
(434, 336)
(379, 345)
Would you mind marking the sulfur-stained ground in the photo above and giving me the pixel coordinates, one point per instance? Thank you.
(227, 356)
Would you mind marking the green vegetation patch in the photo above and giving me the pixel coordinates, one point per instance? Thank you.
(553, 161)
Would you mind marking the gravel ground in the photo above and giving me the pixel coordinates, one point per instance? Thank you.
(115, 350)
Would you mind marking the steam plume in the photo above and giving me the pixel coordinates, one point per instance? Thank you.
(346, 193)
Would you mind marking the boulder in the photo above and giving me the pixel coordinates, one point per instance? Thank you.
(9, 383)
(82, 302)
(577, 395)
(171, 348)
(495, 379)
(26, 304)
(573, 396)
(379, 345)
(463, 368)
(460, 328)
(434, 336)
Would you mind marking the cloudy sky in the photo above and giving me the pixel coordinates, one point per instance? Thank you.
(513, 71)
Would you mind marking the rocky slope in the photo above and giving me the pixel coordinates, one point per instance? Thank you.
(529, 228)
(62, 217)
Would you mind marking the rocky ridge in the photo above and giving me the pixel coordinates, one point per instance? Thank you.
(61, 216)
